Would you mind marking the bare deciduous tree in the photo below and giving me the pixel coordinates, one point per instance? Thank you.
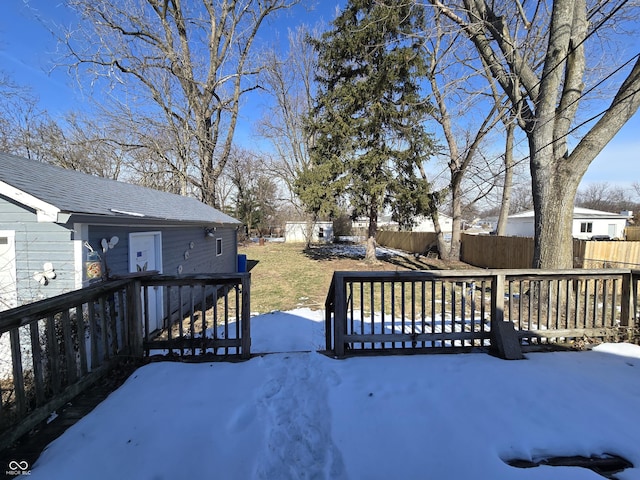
(604, 196)
(80, 142)
(290, 81)
(452, 79)
(546, 97)
(255, 191)
(20, 118)
(186, 62)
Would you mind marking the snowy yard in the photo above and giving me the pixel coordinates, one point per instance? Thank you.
(297, 414)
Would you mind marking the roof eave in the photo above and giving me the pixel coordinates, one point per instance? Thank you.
(45, 212)
(122, 219)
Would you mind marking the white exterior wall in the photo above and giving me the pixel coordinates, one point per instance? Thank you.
(298, 232)
(425, 224)
(520, 227)
(611, 227)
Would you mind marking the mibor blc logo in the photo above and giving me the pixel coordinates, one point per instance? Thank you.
(17, 467)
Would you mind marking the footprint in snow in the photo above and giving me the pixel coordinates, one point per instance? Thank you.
(294, 404)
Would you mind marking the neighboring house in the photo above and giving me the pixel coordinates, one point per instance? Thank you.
(54, 223)
(385, 222)
(481, 226)
(316, 232)
(425, 224)
(421, 224)
(587, 224)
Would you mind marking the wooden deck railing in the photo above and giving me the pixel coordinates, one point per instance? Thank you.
(203, 316)
(52, 350)
(59, 347)
(450, 310)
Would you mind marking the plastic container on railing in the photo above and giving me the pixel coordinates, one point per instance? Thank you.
(93, 266)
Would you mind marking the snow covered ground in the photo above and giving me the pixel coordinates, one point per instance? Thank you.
(297, 414)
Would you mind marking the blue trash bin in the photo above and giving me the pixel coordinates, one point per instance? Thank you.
(242, 263)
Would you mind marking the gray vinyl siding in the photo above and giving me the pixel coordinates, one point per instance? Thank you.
(101, 208)
(38, 243)
(117, 257)
(176, 241)
(202, 257)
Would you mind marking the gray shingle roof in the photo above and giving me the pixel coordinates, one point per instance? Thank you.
(78, 193)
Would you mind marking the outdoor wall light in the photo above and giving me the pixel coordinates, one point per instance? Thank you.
(210, 232)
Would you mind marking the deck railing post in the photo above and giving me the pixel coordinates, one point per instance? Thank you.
(339, 315)
(497, 298)
(328, 317)
(329, 308)
(134, 317)
(246, 316)
(504, 339)
(635, 311)
(626, 306)
(18, 374)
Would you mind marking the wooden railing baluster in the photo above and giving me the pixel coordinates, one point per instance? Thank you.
(560, 307)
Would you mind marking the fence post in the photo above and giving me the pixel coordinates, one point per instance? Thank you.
(246, 316)
(339, 315)
(134, 317)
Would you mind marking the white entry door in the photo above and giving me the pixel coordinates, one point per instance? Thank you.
(145, 255)
(8, 285)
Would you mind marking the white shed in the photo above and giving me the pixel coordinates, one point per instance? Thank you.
(425, 224)
(586, 225)
(421, 223)
(317, 232)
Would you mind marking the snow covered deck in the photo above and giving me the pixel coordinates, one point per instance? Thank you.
(299, 414)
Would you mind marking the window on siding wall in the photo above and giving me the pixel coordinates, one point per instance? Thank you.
(586, 227)
(218, 246)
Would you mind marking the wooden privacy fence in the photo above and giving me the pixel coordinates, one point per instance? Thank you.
(449, 310)
(490, 251)
(606, 254)
(54, 349)
(414, 242)
(632, 234)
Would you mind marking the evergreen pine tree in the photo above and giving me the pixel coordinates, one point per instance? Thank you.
(367, 123)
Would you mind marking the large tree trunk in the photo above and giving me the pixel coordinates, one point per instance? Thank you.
(554, 193)
(501, 228)
(370, 251)
(456, 213)
(443, 248)
(208, 181)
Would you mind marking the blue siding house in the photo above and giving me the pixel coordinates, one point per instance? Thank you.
(61, 230)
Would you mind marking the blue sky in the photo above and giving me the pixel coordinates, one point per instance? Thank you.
(27, 50)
